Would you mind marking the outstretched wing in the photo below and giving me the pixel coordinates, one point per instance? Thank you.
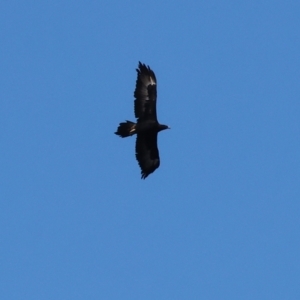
(147, 153)
(145, 93)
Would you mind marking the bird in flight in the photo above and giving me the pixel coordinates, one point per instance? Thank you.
(147, 126)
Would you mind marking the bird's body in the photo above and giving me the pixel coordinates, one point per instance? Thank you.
(147, 125)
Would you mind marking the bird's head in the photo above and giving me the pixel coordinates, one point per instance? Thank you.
(163, 127)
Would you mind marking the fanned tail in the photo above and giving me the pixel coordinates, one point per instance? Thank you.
(126, 129)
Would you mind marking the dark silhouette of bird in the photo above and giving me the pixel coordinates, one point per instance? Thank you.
(147, 126)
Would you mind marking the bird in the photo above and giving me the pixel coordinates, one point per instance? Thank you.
(146, 126)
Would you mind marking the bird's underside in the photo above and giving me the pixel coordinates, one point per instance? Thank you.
(147, 127)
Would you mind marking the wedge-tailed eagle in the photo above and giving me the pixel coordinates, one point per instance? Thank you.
(146, 127)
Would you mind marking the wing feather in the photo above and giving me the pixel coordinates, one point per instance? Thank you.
(145, 93)
(147, 153)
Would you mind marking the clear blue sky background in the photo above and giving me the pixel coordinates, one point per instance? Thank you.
(220, 218)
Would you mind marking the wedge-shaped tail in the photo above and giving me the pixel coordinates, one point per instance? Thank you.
(125, 129)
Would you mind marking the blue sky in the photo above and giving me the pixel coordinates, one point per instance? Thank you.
(219, 219)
